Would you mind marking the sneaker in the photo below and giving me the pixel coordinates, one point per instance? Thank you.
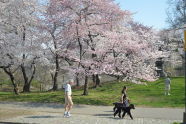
(68, 115)
(65, 114)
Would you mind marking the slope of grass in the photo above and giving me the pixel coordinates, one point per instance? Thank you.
(151, 95)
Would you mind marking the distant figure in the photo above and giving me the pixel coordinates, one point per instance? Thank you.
(167, 85)
(123, 93)
(123, 96)
(68, 98)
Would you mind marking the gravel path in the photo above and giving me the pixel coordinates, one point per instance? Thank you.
(52, 113)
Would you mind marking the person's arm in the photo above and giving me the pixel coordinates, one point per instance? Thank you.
(128, 100)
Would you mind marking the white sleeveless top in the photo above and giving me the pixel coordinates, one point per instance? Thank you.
(68, 89)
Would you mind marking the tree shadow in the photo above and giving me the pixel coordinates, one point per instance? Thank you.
(48, 105)
(109, 116)
(103, 115)
(46, 116)
(108, 111)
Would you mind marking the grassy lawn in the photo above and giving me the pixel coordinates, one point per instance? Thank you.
(150, 95)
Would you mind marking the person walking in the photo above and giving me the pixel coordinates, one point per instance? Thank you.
(68, 98)
(123, 99)
(167, 85)
(123, 93)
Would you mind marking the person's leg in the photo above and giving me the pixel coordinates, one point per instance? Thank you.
(165, 92)
(66, 106)
(70, 104)
(119, 114)
(114, 109)
(168, 90)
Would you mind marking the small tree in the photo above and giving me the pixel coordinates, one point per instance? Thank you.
(176, 13)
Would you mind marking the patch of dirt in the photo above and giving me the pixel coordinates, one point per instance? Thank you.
(10, 113)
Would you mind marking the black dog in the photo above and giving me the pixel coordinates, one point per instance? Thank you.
(117, 105)
(120, 106)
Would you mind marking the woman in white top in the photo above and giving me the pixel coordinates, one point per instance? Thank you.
(68, 98)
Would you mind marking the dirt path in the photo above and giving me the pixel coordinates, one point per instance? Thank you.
(83, 114)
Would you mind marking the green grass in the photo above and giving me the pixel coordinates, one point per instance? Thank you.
(151, 95)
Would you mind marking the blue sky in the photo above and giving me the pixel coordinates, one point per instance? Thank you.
(147, 12)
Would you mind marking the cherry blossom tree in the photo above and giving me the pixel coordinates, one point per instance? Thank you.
(103, 39)
(51, 44)
(52, 26)
(18, 39)
(7, 32)
(134, 52)
(172, 42)
(87, 38)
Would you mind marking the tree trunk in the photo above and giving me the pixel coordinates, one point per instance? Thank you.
(97, 81)
(16, 91)
(11, 76)
(40, 87)
(27, 82)
(55, 85)
(86, 86)
(118, 78)
(94, 79)
(26, 87)
(77, 80)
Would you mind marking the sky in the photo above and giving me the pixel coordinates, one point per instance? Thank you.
(147, 12)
